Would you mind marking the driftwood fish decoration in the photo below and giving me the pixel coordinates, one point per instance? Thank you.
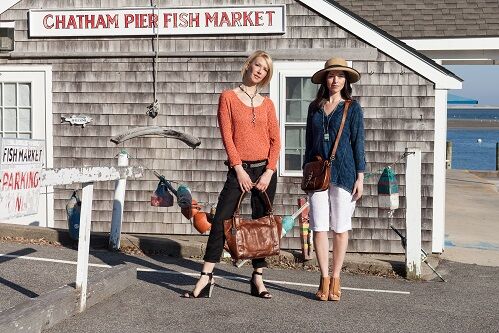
(79, 120)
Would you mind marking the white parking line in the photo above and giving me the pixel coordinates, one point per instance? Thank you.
(52, 260)
(196, 274)
(273, 281)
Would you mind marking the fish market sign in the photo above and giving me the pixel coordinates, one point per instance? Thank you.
(20, 168)
(149, 21)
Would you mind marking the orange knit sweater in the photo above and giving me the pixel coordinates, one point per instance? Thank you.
(243, 140)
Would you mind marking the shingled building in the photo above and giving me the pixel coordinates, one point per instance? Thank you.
(57, 60)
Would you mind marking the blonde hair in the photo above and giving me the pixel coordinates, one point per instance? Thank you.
(267, 59)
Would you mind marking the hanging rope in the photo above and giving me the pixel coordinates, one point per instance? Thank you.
(153, 108)
(368, 175)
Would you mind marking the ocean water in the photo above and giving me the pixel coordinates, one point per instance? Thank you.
(472, 148)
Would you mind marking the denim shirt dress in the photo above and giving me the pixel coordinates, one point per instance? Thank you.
(350, 155)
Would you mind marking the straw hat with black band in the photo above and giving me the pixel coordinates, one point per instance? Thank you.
(336, 64)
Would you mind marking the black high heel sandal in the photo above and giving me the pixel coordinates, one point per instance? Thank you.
(206, 291)
(254, 289)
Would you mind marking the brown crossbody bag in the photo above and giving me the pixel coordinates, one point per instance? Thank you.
(317, 173)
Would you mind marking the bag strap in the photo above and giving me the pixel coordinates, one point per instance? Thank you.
(270, 210)
(338, 136)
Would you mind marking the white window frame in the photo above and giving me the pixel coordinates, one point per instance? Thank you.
(282, 70)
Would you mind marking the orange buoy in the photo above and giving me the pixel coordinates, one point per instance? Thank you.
(189, 212)
(200, 222)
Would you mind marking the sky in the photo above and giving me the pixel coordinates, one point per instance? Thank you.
(481, 82)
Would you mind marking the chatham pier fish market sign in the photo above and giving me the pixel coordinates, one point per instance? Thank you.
(20, 169)
(148, 21)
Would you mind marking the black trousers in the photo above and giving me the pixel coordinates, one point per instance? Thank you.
(227, 202)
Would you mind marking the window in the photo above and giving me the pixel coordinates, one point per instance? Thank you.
(15, 110)
(300, 91)
(292, 91)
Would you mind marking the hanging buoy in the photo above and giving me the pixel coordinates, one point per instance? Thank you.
(200, 222)
(184, 197)
(73, 211)
(161, 196)
(388, 190)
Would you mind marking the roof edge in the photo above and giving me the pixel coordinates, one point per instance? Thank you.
(6, 4)
(442, 77)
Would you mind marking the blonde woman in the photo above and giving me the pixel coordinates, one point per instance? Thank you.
(250, 134)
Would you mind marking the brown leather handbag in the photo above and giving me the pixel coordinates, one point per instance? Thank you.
(317, 173)
(253, 238)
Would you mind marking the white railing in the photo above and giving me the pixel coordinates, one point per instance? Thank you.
(87, 177)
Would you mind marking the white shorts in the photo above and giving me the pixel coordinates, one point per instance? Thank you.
(331, 210)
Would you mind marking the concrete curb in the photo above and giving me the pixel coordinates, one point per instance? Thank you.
(57, 305)
(193, 246)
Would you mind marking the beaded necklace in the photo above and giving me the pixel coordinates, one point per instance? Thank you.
(253, 119)
(325, 127)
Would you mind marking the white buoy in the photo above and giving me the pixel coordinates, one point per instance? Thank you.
(479, 140)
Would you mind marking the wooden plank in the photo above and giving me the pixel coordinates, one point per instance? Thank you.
(68, 176)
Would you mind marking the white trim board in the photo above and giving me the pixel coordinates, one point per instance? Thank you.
(6, 4)
(453, 44)
(358, 28)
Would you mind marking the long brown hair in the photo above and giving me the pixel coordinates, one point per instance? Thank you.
(323, 92)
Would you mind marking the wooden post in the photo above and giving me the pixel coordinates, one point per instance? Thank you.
(305, 233)
(87, 176)
(497, 156)
(118, 203)
(84, 243)
(448, 155)
(413, 213)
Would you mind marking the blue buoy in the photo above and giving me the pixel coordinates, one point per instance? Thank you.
(73, 210)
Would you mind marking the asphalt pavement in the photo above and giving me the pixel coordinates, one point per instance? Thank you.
(36, 262)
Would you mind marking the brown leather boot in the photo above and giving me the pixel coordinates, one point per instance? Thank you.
(334, 289)
(322, 293)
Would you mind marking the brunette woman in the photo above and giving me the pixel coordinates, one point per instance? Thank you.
(332, 210)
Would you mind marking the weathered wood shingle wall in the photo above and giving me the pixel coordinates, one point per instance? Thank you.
(115, 91)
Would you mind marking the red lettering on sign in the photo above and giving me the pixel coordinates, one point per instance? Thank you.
(19, 204)
(211, 18)
(224, 20)
(113, 20)
(236, 19)
(46, 23)
(194, 20)
(258, 18)
(128, 19)
(247, 19)
(270, 13)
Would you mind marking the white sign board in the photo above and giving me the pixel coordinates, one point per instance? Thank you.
(149, 21)
(21, 164)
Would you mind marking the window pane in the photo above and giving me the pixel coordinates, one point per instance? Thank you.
(309, 90)
(293, 111)
(293, 88)
(293, 137)
(24, 136)
(24, 119)
(9, 135)
(9, 120)
(292, 159)
(10, 94)
(24, 94)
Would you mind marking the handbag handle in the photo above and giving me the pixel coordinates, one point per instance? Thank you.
(270, 210)
(338, 136)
